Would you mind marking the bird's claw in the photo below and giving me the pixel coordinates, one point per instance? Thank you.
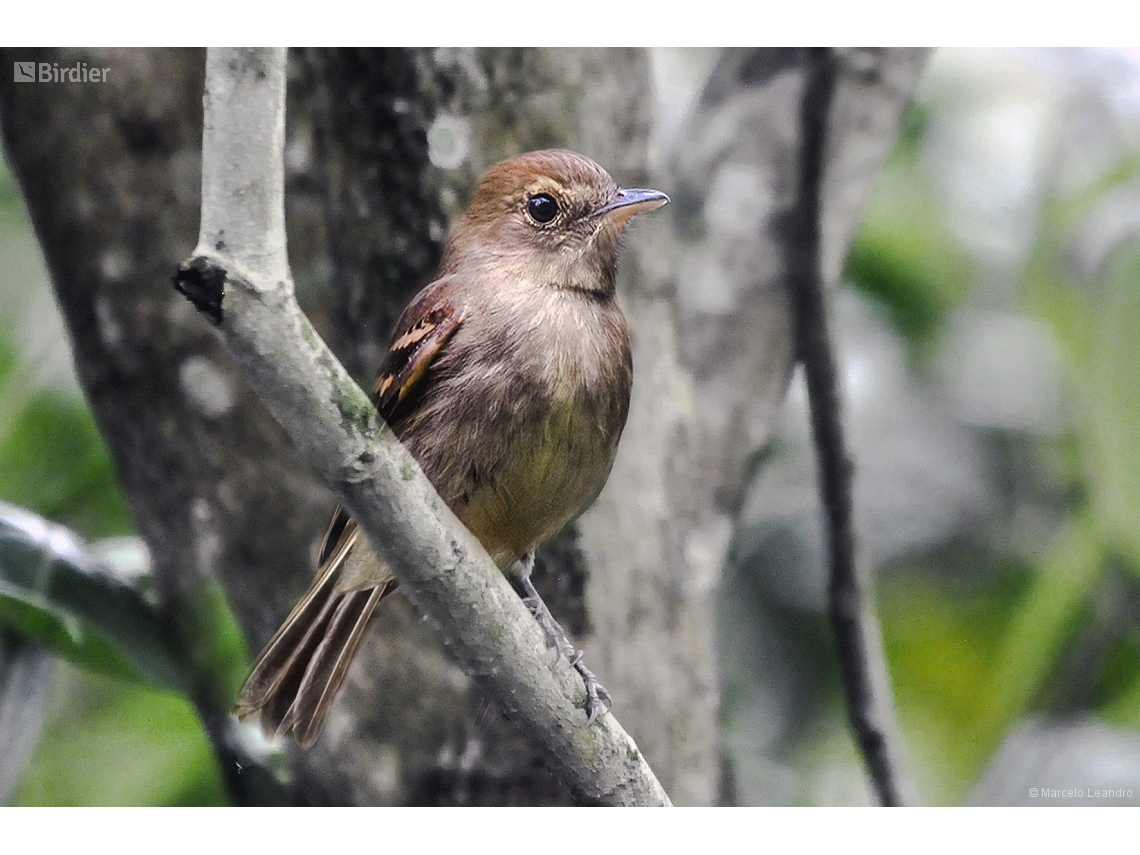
(597, 697)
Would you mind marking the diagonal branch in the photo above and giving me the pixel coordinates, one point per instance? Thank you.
(239, 278)
(865, 678)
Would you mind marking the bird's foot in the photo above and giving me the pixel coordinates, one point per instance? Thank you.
(597, 697)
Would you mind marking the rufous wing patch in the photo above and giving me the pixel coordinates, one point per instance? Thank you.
(411, 354)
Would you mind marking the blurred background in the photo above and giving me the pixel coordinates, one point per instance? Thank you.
(987, 321)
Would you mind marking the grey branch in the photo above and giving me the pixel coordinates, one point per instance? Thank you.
(240, 276)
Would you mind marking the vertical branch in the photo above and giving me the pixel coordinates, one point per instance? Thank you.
(243, 175)
(859, 646)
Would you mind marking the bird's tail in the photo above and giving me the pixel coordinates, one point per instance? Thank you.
(297, 675)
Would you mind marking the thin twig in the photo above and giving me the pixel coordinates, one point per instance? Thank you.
(869, 702)
(239, 278)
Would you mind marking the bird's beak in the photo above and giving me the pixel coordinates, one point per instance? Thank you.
(627, 204)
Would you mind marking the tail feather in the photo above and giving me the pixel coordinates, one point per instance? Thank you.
(279, 657)
(277, 707)
(329, 665)
(297, 675)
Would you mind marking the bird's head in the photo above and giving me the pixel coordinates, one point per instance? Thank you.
(552, 217)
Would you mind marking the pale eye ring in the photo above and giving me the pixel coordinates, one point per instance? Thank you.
(542, 208)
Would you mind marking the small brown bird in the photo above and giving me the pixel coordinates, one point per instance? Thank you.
(508, 379)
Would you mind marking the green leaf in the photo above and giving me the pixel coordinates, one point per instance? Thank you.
(55, 463)
(53, 590)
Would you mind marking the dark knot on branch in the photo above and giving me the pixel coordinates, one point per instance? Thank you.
(202, 282)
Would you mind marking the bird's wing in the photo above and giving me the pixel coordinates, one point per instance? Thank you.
(421, 333)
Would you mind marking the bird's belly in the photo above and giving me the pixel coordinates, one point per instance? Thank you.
(549, 467)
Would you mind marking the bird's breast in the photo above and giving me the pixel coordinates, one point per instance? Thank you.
(521, 419)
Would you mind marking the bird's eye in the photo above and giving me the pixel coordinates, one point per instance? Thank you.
(542, 208)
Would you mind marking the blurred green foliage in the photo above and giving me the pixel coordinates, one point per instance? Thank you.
(9, 193)
(218, 660)
(76, 488)
(905, 256)
(112, 743)
(977, 640)
(108, 740)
